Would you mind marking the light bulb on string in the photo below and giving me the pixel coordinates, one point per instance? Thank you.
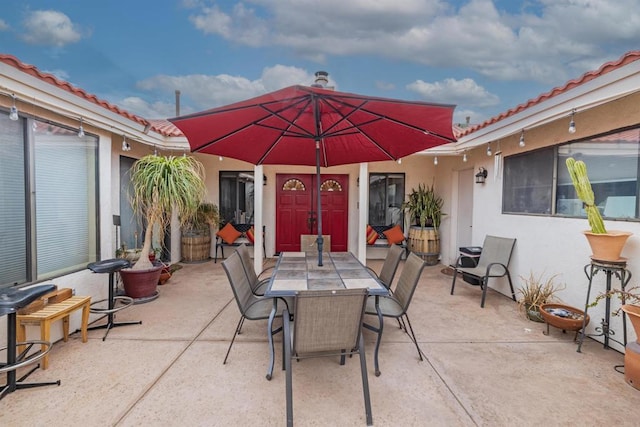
(521, 143)
(13, 112)
(464, 157)
(489, 153)
(81, 130)
(572, 123)
(435, 160)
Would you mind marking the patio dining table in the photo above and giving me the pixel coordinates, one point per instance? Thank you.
(299, 271)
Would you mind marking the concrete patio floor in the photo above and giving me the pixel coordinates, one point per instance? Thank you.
(482, 367)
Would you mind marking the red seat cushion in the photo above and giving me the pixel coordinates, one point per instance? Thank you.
(394, 235)
(228, 233)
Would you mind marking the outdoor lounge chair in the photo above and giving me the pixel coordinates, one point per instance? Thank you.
(251, 306)
(258, 285)
(390, 266)
(327, 323)
(397, 304)
(493, 262)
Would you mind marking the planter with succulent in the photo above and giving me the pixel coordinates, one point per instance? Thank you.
(424, 208)
(535, 292)
(630, 305)
(160, 185)
(196, 233)
(605, 245)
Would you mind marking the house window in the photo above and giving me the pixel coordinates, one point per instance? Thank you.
(236, 197)
(613, 167)
(386, 195)
(49, 216)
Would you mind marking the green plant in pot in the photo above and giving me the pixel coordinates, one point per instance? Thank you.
(536, 291)
(424, 208)
(160, 185)
(196, 233)
(605, 245)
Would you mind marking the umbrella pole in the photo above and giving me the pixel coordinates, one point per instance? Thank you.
(320, 239)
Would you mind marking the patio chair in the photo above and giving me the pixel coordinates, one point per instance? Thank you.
(390, 266)
(258, 285)
(327, 323)
(397, 304)
(493, 262)
(251, 306)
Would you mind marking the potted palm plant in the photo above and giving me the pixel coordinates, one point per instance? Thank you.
(196, 233)
(605, 245)
(160, 185)
(424, 207)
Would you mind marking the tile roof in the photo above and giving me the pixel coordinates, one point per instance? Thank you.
(166, 128)
(627, 58)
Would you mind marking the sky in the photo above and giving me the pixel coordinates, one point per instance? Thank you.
(484, 56)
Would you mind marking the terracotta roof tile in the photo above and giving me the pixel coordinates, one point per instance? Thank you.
(53, 80)
(627, 58)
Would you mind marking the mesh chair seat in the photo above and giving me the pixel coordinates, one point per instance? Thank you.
(389, 306)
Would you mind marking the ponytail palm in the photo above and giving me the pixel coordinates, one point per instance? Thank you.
(161, 185)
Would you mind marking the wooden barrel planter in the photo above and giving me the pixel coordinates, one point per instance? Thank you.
(196, 247)
(425, 242)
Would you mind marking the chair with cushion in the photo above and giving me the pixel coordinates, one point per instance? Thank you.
(493, 262)
(258, 285)
(251, 306)
(390, 266)
(327, 323)
(397, 304)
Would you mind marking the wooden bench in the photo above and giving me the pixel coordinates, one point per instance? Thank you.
(47, 309)
(243, 239)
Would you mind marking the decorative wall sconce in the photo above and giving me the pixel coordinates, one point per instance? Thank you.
(481, 176)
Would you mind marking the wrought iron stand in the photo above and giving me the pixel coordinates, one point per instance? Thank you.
(610, 268)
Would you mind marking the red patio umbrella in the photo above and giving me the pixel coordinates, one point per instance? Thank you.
(313, 126)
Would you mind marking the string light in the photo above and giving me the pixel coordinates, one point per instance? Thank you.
(13, 112)
(435, 160)
(521, 143)
(489, 153)
(81, 130)
(399, 161)
(464, 157)
(125, 144)
(572, 123)
(220, 158)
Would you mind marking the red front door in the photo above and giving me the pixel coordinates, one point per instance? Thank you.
(296, 209)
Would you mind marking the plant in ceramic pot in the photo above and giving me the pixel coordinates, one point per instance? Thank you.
(196, 233)
(160, 186)
(535, 292)
(606, 246)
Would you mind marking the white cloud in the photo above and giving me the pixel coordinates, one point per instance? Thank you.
(50, 28)
(3, 25)
(146, 109)
(545, 47)
(452, 91)
(209, 91)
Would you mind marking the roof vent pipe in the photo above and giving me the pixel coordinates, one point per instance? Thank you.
(177, 103)
(322, 79)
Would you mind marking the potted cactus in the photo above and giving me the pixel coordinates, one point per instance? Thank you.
(605, 245)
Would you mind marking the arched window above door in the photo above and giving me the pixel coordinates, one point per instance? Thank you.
(331, 185)
(293, 185)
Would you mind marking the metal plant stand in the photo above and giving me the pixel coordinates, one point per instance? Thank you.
(610, 269)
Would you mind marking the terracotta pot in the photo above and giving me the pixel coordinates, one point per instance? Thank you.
(140, 283)
(608, 246)
(569, 323)
(632, 351)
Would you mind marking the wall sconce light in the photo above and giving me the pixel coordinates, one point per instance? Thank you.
(481, 176)
(489, 153)
(435, 160)
(81, 130)
(521, 143)
(572, 123)
(13, 112)
(264, 179)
